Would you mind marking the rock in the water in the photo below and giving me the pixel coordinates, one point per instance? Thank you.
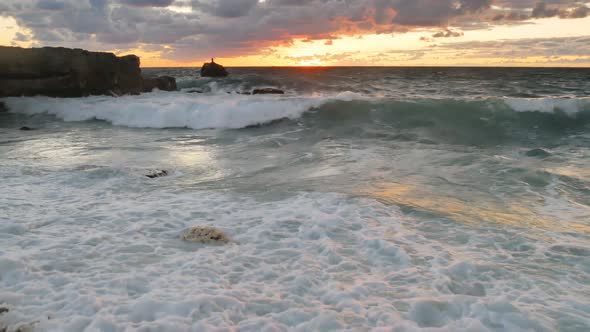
(204, 234)
(266, 91)
(213, 69)
(164, 83)
(3, 107)
(25, 328)
(539, 153)
(3, 310)
(25, 128)
(157, 174)
(64, 72)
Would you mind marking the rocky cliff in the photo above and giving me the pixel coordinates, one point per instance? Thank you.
(63, 72)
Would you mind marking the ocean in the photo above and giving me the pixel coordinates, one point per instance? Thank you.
(363, 199)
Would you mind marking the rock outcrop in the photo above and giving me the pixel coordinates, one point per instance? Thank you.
(266, 91)
(157, 174)
(64, 72)
(204, 234)
(213, 69)
(164, 83)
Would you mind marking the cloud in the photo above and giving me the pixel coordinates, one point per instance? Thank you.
(51, 5)
(226, 8)
(541, 10)
(447, 33)
(148, 3)
(243, 27)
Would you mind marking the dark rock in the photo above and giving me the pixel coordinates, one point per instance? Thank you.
(129, 78)
(244, 93)
(157, 174)
(64, 72)
(3, 310)
(213, 69)
(3, 107)
(25, 128)
(204, 234)
(264, 91)
(539, 153)
(164, 83)
(194, 91)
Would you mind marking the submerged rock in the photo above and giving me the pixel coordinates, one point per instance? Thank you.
(539, 153)
(3, 107)
(264, 91)
(164, 83)
(25, 128)
(65, 72)
(157, 174)
(3, 310)
(213, 69)
(204, 234)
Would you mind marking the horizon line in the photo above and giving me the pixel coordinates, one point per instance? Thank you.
(392, 66)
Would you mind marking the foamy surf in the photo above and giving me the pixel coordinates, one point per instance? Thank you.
(196, 111)
(173, 110)
(428, 199)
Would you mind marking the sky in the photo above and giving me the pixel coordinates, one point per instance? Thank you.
(310, 32)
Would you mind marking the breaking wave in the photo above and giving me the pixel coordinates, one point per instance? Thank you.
(200, 111)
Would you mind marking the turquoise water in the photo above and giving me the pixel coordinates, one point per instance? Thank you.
(362, 199)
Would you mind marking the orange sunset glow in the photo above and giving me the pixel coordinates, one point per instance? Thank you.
(362, 33)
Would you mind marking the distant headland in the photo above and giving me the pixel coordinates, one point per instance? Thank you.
(65, 72)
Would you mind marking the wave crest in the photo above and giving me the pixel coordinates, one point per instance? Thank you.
(182, 110)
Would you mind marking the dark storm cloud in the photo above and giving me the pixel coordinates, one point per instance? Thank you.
(226, 8)
(51, 4)
(148, 3)
(240, 27)
(541, 10)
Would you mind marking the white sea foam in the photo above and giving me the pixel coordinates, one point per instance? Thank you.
(222, 110)
(314, 261)
(570, 106)
(88, 243)
(130, 271)
(164, 110)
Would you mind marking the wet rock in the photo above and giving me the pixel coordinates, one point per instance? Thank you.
(3, 107)
(204, 234)
(539, 153)
(164, 83)
(3, 310)
(25, 128)
(65, 72)
(157, 174)
(265, 91)
(194, 91)
(213, 69)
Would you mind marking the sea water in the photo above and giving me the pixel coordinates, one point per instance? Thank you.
(385, 199)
